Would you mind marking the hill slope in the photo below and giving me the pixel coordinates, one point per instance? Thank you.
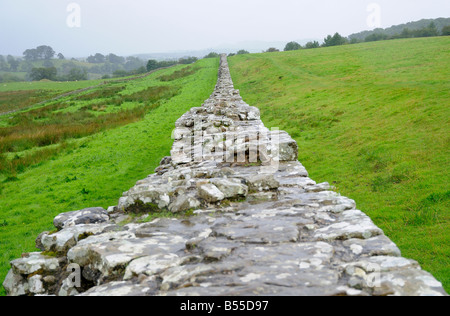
(373, 120)
(96, 169)
(398, 29)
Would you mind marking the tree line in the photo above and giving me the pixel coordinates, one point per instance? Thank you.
(440, 24)
(428, 31)
(41, 63)
(337, 39)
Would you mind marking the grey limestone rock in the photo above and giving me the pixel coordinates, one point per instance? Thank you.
(210, 193)
(118, 289)
(35, 262)
(262, 182)
(231, 188)
(184, 203)
(92, 215)
(67, 238)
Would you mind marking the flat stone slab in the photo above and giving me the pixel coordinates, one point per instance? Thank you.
(93, 215)
(118, 289)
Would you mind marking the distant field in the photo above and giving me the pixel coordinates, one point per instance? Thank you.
(63, 66)
(48, 85)
(374, 121)
(85, 150)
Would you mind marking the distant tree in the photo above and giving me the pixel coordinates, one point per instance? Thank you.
(376, 37)
(42, 52)
(96, 70)
(242, 52)
(327, 41)
(167, 63)
(335, 40)
(272, 50)
(99, 58)
(96, 59)
(311, 45)
(106, 68)
(114, 59)
(231, 54)
(25, 66)
(133, 63)
(292, 46)
(38, 74)
(152, 65)
(77, 74)
(430, 30)
(212, 55)
(187, 60)
(47, 64)
(31, 55)
(3, 64)
(13, 63)
(68, 65)
(445, 30)
(61, 56)
(120, 73)
(45, 52)
(113, 67)
(139, 71)
(406, 33)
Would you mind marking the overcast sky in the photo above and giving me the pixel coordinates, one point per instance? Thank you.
(127, 27)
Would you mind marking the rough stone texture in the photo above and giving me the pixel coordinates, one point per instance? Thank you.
(261, 226)
(87, 216)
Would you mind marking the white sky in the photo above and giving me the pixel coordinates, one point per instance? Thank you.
(148, 26)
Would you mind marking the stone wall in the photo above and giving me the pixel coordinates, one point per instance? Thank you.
(251, 222)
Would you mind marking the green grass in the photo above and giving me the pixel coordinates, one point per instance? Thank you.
(95, 170)
(17, 100)
(39, 125)
(48, 85)
(373, 120)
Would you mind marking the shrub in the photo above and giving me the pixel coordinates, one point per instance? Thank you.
(292, 46)
(212, 55)
(38, 74)
(376, 37)
(335, 40)
(445, 30)
(311, 45)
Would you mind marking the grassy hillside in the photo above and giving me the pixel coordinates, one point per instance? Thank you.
(90, 170)
(440, 23)
(373, 120)
(58, 87)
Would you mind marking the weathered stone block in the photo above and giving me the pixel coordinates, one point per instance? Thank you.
(92, 215)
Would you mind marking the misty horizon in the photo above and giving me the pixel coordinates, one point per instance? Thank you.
(81, 28)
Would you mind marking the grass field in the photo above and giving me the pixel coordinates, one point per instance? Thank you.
(373, 120)
(60, 87)
(93, 169)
